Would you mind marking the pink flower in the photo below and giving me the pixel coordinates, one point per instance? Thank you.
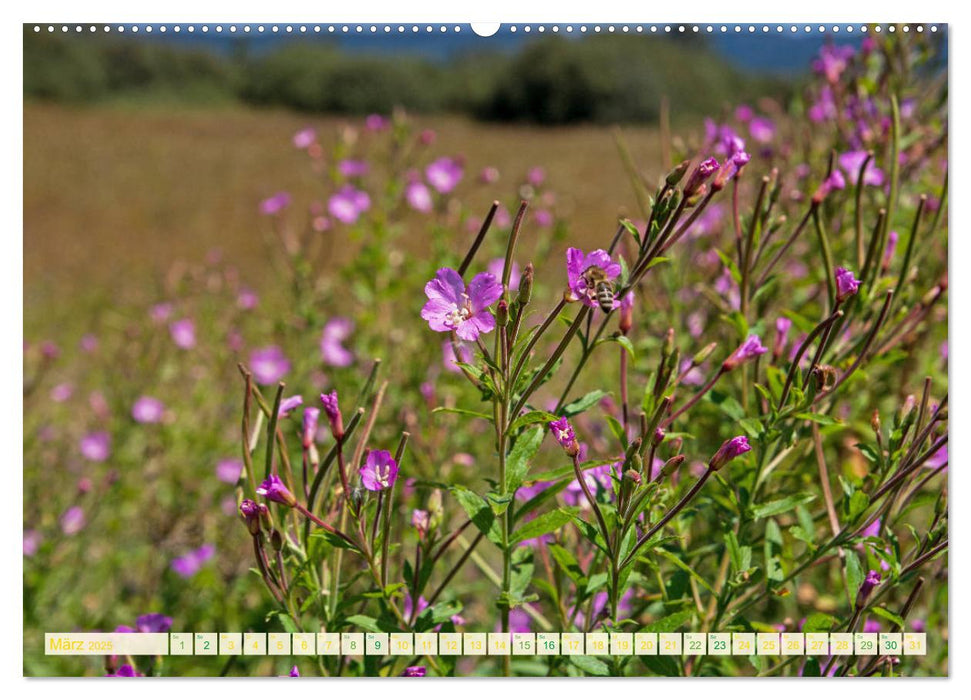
(376, 122)
(579, 264)
(852, 161)
(229, 470)
(275, 204)
(444, 174)
(73, 520)
(846, 284)
(762, 129)
(288, 404)
(268, 364)
(304, 138)
(729, 450)
(448, 355)
(161, 311)
(311, 416)
(536, 176)
(335, 332)
(452, 306)
(89, 343)
(273, 489)
(379, 471)
(543, 218)
(563, 433)
(96, 447)
(188, 564)
(489, 175)
(148, 409)
(183, 333)
(348, 203)
(419, 197)
(353, 168)
(32, 540)
(750, 349)
(495, 266)
(247, 299)
(832, 61)
(62, 392)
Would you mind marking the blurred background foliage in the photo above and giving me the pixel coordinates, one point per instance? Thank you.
(551, 80)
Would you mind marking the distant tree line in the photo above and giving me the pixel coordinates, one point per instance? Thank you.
(605, 79)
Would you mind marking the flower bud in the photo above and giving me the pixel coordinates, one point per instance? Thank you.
(502, 313)
(420, 520)
(276, 540)
(435, 509)
(333, 411)
(752, 347)
(310, 418)
(672, 465)
(676, 175)
(703, 354)
(729, 450)
(632, 476)
(250, 510)
(699, 176)
(526, 286)
(658, 437)
(626, 321)
(871, 581)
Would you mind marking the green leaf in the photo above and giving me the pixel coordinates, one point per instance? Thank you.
(333, 540)
(772, 549)
(368, 624)
(478, 511)
(781, 505)
(568, 563)
(583, 403)
(728, 405)
(436, 615)
(621, 340)
(887, 615)
(854, 574)
(671, 623)
(517, 463)
(681, 565)
(499, 502)
(521, 573)
(818, 622)
(591, 533)
(855, 505)
(541, 525)
(462, 412)
(591, 665)
(817, 418)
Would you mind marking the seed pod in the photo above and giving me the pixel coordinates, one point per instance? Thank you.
(502, 313)
(525, 286)
(672, 465)
(703, 354)
(677, 174)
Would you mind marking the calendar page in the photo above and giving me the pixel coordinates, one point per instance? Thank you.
(522, 349)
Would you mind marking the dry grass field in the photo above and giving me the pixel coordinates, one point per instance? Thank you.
(114, 193)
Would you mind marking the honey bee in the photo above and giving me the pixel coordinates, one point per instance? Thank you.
(596, 279)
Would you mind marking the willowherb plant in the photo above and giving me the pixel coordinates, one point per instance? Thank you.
(727, 414)
(709, 503)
